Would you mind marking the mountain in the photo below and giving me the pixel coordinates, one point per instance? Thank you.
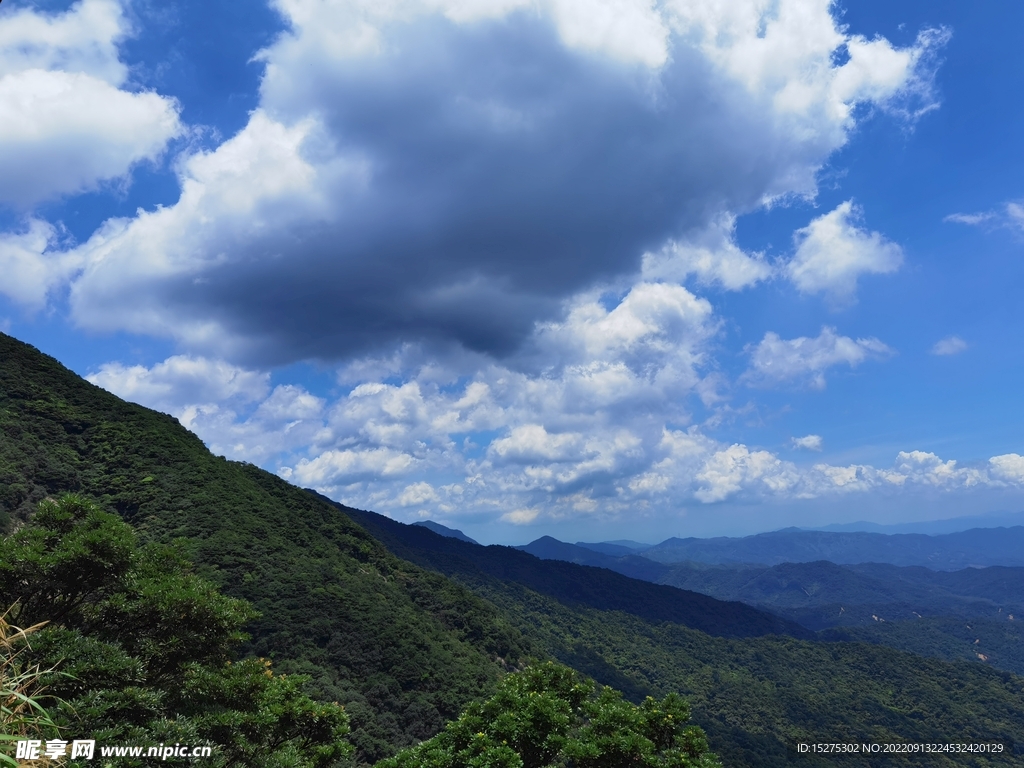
(576, 585)
(444, 530)
(932, 527)
(973, 614)
(823, 594)
(750, 694)
(616, 548)
(405, 627)
(628, 564)
(402, 648)
(947, 552)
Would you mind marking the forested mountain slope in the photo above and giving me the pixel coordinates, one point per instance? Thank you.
(405, 648)
(974, 614)
(402, 648)
(575, 585)
(755, 696)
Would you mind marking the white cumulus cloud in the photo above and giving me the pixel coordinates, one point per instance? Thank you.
(832, 252)
(804, 360)
(711, 255)
(32, 263)
(69, 122)
(735, 468)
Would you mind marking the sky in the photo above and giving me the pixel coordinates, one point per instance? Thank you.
(597, 269)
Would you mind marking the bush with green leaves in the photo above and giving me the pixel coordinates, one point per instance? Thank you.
(144, 646)
(549, 717)
(22, 711)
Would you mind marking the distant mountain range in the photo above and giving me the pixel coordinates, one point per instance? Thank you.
(970, 614)
(933, 527)
(975, 548)
(444, 530)
(564, 581)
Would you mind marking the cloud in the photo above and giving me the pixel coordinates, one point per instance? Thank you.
(971, 219)
(451, 172)
(33, 263)
(951, 345)
(1009, 215)
(182, 380)
(832, 252)
(804, 360)
(500, 444)
(807, 442)
(70, 122)
(233, 409)
(1009, 467)
(728, 471)
(711, 255)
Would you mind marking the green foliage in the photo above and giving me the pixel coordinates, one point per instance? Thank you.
(996, 643)
(144, 646)
(754, 697)
(820, 595)
(548, 717)
(402, 649)
(22, 710)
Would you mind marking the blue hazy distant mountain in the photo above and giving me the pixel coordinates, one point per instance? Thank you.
(932, 527)
(619, 548)
(444, 530)
(630, 564)
(977, 547)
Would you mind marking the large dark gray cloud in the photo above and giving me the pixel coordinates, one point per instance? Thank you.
(503, 172)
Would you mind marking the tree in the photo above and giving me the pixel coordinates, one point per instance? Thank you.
(549, 717)
(145, 646)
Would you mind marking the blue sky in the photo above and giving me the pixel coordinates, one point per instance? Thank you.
(591, 268)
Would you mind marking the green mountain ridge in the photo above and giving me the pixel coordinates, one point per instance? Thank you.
(971, 614)
(403, 649)
(754, 696)
(405, 634)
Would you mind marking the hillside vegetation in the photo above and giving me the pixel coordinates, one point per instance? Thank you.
(754, 696)
(403, 649)
(406, 635)
(974, 614)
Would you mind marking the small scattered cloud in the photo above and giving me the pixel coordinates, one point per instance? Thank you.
(182, 380)
(400, 448)
(833, 251)
(520, 516)
(737, 467)
(1009, 215)
(807, 442)
(804, 360)
(971, 219)
(951, 345)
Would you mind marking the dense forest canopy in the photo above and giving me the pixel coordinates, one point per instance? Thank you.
(403, 628)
